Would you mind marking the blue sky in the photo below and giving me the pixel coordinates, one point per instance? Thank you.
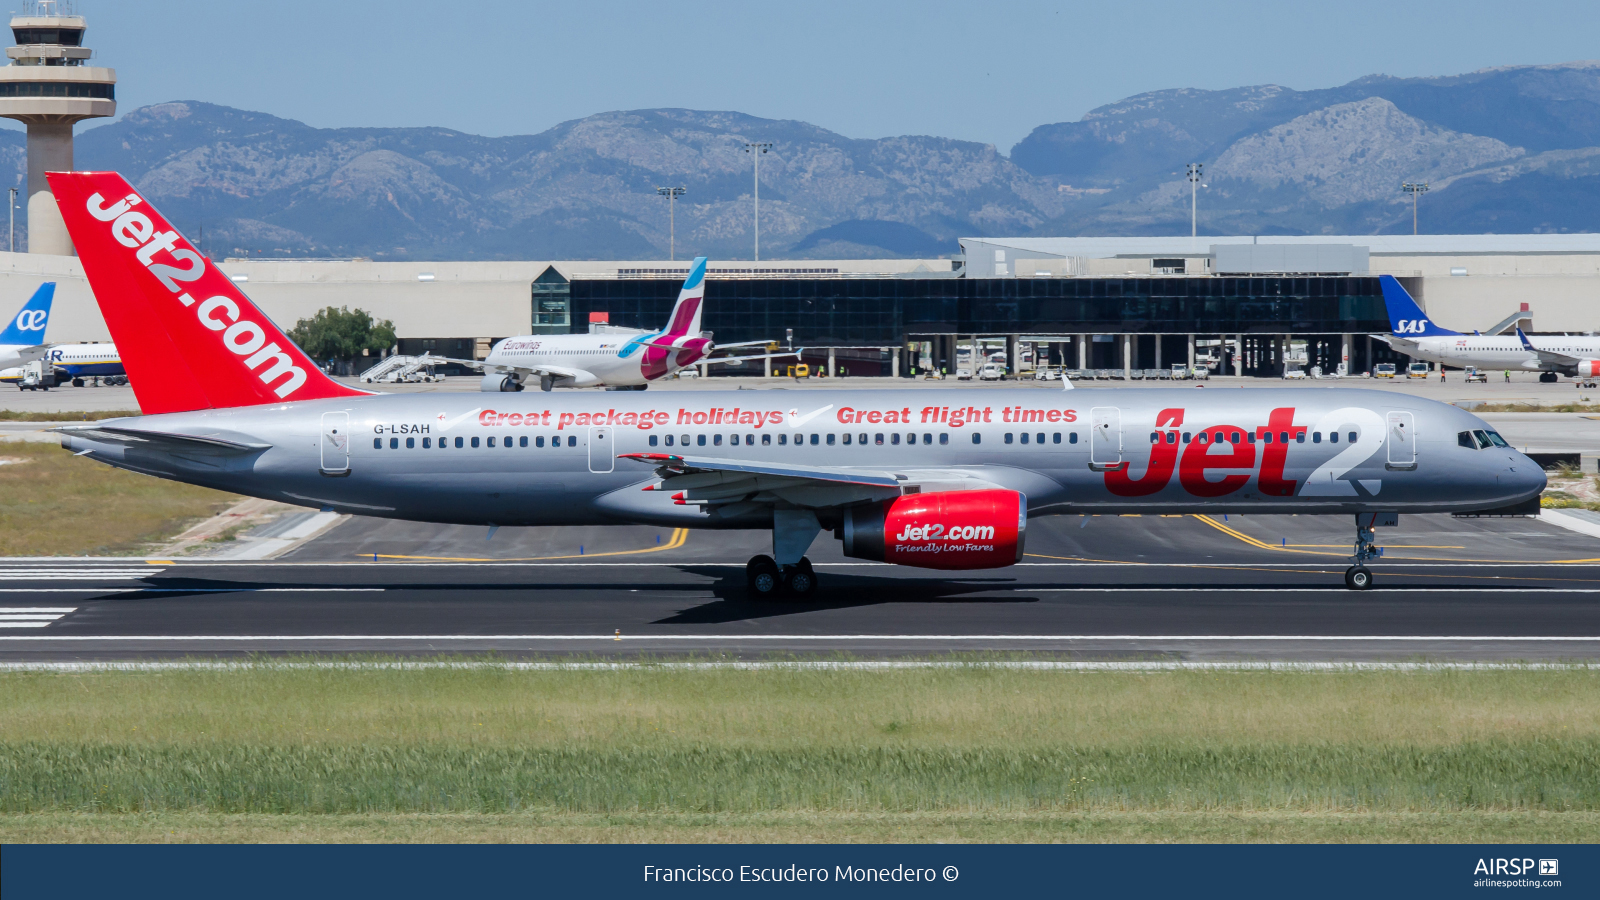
(983, 71)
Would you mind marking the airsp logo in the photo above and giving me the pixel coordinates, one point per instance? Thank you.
(32, 320)
(1412, 326)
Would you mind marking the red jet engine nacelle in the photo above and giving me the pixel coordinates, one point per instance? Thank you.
(947, 530)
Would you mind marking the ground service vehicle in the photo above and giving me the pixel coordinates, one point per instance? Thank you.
(1473, 374)
(933, 478)
(1383, 370)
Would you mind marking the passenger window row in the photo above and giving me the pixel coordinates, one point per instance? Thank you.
(749, 440)
(1222, 435)
(509, 442)
(1038, 437)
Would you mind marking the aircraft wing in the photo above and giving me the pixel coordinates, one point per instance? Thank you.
(1399, 343)
(553, 371)
(670, 466)
(745, 344)
(715, 482)
(1548, 357)
(723, 359)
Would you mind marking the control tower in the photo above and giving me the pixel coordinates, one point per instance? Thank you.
(48, 87)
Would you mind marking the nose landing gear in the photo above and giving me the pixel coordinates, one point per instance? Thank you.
(1358, 577)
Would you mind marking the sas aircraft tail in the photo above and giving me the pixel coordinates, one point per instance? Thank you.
(189, 338)
(685, 321)
(27, 329)
(1406, 319)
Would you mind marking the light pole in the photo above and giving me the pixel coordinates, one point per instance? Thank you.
(1414, 188)
(1194, 203)
(755, 150)
(672, 194)
(13, 193)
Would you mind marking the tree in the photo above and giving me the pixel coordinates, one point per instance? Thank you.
(342, 333)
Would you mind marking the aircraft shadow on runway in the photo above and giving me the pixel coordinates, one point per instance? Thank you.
(734, 602)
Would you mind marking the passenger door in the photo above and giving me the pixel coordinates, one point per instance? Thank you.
(335, 444)
(1105, 437)
(602, 453)
(1402, 440)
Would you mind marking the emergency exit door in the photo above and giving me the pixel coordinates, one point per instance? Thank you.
(1105, 437)
(602, 453)
(335, 460)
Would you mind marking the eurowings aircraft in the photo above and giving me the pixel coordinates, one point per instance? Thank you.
(925, 478)
(613, 358)
(22, 341)
(1417, 336)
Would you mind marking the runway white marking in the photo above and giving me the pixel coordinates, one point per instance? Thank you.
(157, 589)
(74, 574)
(726, 638)
(31, 616)
(807, 665)
(1486, 589)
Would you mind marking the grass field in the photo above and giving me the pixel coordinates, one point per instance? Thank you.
(12, 415)
(974, 753)
(55, 504)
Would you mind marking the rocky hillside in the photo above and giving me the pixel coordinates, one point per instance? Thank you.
(1503, 150)
(1511, 149)
(585, 189)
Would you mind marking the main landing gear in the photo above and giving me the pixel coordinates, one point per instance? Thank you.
(767, 579)
(1358, 577)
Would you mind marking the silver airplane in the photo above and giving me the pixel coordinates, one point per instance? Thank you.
(940, 479)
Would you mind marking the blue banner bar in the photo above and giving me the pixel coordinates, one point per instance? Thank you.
(61, 872)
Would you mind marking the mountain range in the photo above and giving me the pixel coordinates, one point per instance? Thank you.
(1514, 149)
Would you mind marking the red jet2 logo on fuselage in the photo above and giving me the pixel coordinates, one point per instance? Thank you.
(1234, 452)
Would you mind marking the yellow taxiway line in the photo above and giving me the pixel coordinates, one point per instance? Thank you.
(679, 537)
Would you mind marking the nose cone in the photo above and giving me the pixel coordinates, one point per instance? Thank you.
(1523, 476)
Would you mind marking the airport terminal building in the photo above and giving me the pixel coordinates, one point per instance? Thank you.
(1245, 305)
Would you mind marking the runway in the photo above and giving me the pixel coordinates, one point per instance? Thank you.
(1101, 588)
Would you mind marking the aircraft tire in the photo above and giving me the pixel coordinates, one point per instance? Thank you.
(1358, 578)
(799, 581)
(762, 577)
(77, 382)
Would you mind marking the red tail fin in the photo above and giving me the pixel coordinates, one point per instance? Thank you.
(188, 338)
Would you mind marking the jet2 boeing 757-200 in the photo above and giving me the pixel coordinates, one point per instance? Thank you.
(938, 478)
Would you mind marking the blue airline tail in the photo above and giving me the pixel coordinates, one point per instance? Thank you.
(27, 328)
(1405, 317)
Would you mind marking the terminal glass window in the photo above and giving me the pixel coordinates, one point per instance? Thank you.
(61, 37)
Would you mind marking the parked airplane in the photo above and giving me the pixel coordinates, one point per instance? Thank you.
(921, 478)
(1415, 335)
(80, 361)
(614, 358)
(22, 340)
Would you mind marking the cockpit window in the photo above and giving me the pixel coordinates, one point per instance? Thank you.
(1497, 440)
(1464, 439)
(1483, 440)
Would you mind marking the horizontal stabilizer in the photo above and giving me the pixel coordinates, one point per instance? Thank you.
(120, 434)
